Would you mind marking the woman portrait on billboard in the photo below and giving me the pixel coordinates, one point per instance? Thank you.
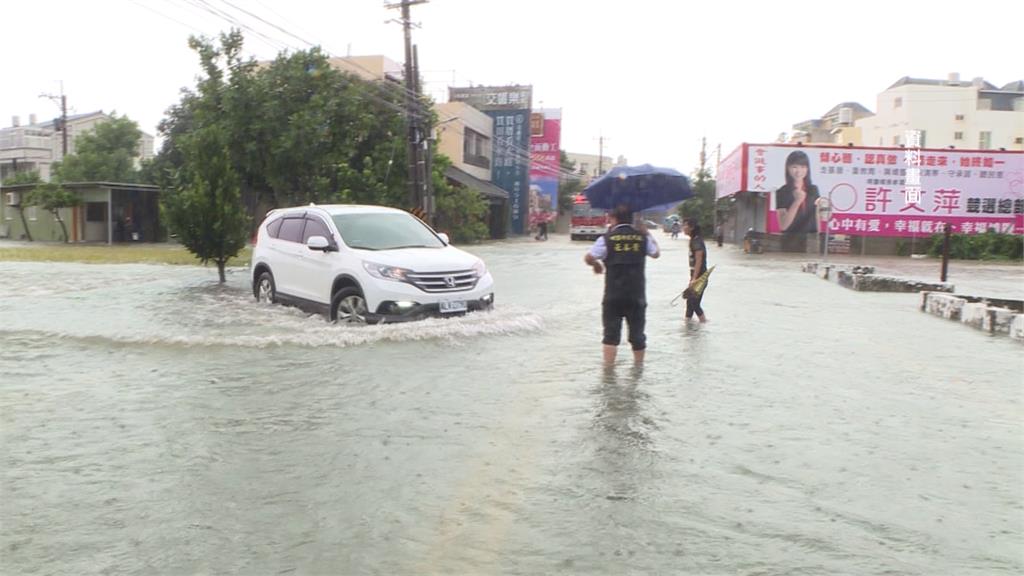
(796, 202)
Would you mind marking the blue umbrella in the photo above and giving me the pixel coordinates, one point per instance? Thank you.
(643, 187)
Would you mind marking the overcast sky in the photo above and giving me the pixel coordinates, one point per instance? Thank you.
(652, 77)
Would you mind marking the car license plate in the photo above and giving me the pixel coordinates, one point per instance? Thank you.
(453, 306)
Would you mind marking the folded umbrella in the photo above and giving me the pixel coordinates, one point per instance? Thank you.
(696, 288)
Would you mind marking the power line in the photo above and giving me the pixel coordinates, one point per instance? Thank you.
(383, 88)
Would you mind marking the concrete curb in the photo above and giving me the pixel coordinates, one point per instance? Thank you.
(992, 315)
(864, 279)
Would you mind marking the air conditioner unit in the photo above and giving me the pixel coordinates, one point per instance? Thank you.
(13, 199)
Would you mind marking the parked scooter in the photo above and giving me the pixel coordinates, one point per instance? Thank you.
(752, 242)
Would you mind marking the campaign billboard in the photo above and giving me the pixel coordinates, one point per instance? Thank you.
(545, 140)
(867, 188)
(509, 107)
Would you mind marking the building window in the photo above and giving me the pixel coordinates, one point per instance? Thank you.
(985, 140)
(923, 143)
(95, 212)
(958, 135)
(476, 149)
(1018, 140)
(895, 140)
(959, 116)
(32, 214)
(898, 102)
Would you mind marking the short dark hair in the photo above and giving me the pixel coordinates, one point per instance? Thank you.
(694, 226)
(622, 214)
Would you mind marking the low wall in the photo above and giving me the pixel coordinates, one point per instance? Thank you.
(864, 279)
(995, 316)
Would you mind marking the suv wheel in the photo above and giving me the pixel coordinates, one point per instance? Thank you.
(265, 290)
(348, 306)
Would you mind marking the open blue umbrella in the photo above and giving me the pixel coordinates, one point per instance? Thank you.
(643, 187)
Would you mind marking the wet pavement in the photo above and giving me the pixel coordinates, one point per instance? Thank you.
(153, 422)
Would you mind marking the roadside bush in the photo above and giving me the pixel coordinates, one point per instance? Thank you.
(989, 245)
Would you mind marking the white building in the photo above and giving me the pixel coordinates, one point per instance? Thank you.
(949, 113)
(37, 145)
(465, 135)
(590, 166)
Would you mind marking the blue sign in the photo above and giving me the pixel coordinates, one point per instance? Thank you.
(510, 168)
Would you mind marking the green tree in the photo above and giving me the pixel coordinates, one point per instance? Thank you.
(300, 130)
(206, 210)
(461, 212)
(51, 196)
(568, 186)
(106, 154)
(27, 177)
(702, 205)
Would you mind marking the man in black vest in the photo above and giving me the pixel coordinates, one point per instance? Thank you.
(624, 250)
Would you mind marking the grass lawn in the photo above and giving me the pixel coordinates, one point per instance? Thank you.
(104, 254)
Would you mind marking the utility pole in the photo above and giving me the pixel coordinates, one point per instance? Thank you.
(425, 160)
(415, 132)
(600, 155)
(63, 117)
(945, 251)
(703, 157)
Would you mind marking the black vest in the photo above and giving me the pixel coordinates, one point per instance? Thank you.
(624, 274)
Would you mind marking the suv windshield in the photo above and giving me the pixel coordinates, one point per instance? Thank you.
(384, 231)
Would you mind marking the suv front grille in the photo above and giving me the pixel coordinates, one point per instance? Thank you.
(435, 282)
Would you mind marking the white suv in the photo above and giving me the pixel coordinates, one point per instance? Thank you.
(364, 264)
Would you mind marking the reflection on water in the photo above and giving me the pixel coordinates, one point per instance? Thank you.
(155, 422)
(622, 439)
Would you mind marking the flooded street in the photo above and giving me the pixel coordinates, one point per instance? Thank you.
(153, 422)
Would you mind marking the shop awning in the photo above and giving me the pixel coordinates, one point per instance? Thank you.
(484, 187)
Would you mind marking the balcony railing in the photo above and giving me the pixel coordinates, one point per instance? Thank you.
(478, 161)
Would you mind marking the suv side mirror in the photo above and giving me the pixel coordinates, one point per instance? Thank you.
(444, 238)
(318, 243)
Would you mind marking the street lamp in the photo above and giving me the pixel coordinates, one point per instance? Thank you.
(825, 213)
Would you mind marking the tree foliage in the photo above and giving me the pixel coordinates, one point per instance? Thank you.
(51, 196)
(105, 154)
(702, 205)
(205, 209)
(27, 177)
(461, 212)
(299, 130)
(988, 245)
(568, 186)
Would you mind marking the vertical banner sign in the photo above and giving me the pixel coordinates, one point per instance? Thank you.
(509, 106)
(545, 140)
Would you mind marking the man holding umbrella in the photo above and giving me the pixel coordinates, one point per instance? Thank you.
(623, 250)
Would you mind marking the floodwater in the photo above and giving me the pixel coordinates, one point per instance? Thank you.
(153, 422)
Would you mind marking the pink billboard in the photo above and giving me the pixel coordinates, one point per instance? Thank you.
(969, 190)
(545, 141)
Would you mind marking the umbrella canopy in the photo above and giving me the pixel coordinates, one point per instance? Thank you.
(643, 187)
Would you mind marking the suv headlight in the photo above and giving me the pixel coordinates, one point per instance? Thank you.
(386, 272)
(480, 269)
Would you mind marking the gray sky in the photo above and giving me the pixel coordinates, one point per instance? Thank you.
(652, 77)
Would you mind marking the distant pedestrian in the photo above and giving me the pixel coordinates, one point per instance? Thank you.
(542, 230)
(719, 234)
(623, 250)
(698, 265)
(675, 229)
